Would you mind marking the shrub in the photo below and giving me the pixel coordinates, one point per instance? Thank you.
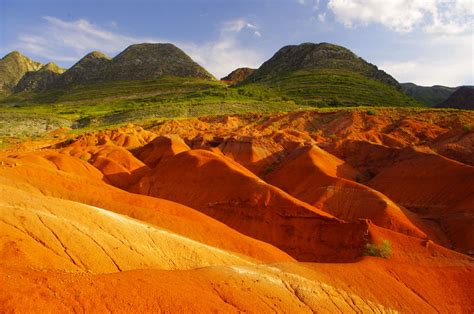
(372, 112)
(335, 103)
(383, 250)
(358, 178)
(467, 128)
(268, 170)
(69, 141)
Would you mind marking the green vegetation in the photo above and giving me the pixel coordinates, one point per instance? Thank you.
(101, 105)
(383, 250)
(467, 128)
(267, 170)
(332, 88)
(428, 96)
(322, 56)
(371, 112)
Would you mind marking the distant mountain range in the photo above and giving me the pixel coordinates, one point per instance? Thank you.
(428, 96)
(462, 98)
(310, 74)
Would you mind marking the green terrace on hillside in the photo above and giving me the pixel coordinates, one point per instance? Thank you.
(113, 103)
(164, 86)
(120, 102)
(331, 87)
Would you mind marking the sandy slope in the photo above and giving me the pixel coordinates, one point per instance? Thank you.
(232, 207)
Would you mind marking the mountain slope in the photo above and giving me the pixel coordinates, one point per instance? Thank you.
(12, 68)
(226, 191)
(319, 56)
(238, 75)
(429, 96)
(96, 75)
(150, 61)
(322, 74)
(462, 98)
(86, 70)
(39, 80)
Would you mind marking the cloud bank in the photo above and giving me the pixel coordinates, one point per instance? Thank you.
(432, 16)
(443, 30)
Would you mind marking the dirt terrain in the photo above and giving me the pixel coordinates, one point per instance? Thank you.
(254, 213)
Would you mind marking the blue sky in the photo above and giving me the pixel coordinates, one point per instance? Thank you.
(424, 41)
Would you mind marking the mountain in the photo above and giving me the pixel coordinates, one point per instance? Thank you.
(429, 96)
(319, 74)
(238, 75)
(85, 71)
(462, 98)
(12, 68)
(319, 56)
(140, 62)
(39, 80)
(150, 61)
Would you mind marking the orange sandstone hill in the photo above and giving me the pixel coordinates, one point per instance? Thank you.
(334, 211)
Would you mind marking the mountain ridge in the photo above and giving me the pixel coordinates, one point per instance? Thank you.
(325, 74)
(39, 80)
(318, 56)
(462, 98)
(13, 67)
(428, 95)
(138, 62)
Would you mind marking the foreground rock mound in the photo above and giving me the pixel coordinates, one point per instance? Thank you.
(226, 191)
(438, 189)
(71, 180)
(57, 234)
(317, 178)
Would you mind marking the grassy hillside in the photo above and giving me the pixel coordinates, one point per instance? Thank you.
(332, 87)
(428, 96)
(322, 56)
(120, 102)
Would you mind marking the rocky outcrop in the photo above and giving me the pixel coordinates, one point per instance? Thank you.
(12, 68)
(238, 75)
(40, 80)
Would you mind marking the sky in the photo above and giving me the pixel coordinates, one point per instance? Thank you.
(428, 42)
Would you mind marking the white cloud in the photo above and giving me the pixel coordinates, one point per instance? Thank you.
(440, 50)
(313, 3)
(322, 17)
(432, 16)
(67, 41)
(226, 53)
(434, 65)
